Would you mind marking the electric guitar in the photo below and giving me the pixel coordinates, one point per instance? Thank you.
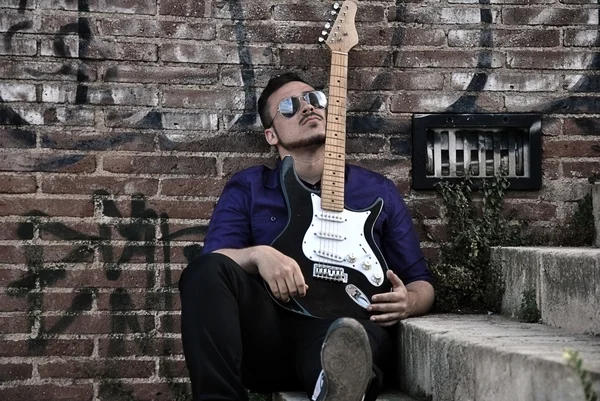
(333, 246)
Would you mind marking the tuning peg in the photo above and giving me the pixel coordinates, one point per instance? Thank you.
(333, 12)
(336, 6)
(324, 33)
(327, 25)
(321, 39)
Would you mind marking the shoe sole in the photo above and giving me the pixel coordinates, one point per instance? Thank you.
(347, 361)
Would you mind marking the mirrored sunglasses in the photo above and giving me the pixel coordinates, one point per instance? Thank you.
(289, 106)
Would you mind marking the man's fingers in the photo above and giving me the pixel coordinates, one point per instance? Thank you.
(394, 279)
(386, 317)
(385, 307)
(300, 284)
(284, 293)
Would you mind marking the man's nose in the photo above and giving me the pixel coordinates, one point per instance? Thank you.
(306, 107)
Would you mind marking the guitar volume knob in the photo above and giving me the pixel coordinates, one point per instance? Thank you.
(351, 258)
(367, 265)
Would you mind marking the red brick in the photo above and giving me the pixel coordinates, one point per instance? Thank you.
(203, 99)
(183, 209)
(10, 276)
(104, 278)
(170, 279)
(67, 184)
(233, 165)
(19, 47)
(187, 8)
(160, 165)
(46, 347)
(570, 148)
(170, 323)
(16, 231)
(73, 163)
(321, 13)
(100, 324)
(139, 301)
(551, 169)
(251, 10)
(400, 36)
(505, 38)
(84, 141)
(201, 75)
(72, 301)
(208, 186)
(243, 142)
(54, 253)
(391, 168)
(17, 138)
(106, 368)
(15, 324)
(449, 59)
(322, 58)
(105, 50)
(540, 16)
(548, 59)
(21, 184)
(14, 302)
(539, 210)
(582, 126)
(48, 392)
(15, 371)
(580, 169)
(143, 392)
(210, 54)
(271, 34)
(388, 80)
(427, 208)
(437, 103)
(171, 368)
(150, 347)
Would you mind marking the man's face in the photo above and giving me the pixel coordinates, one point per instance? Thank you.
(305, 129)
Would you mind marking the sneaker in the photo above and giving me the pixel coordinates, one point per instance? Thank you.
(346, 361)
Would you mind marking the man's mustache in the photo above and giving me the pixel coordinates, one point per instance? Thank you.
(308, 116)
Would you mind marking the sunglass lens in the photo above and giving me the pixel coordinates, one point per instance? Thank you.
(288, 107)
(316, 99)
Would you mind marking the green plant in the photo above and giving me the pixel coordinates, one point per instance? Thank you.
(529, 312)
(258, 397)
(466, 279)
(576, 362)
(580, 230)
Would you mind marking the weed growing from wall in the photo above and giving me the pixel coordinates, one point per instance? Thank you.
(529, 312)
(580, 230)
(576, 362)
(466, 279)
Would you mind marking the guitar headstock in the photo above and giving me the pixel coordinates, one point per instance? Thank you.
(342, 36)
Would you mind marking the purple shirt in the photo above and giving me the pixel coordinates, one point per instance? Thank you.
(252, 211)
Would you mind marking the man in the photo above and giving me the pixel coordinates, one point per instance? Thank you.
(234, 335)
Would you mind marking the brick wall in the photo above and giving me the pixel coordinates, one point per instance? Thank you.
(121, 120)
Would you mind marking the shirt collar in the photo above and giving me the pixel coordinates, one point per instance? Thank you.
(271, 179)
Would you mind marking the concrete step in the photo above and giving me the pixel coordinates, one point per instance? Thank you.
(566, 282)
(298, 396)
(490, 357)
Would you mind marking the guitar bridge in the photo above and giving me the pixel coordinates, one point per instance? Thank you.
(327, 272)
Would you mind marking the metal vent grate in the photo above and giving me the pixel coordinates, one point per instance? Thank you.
(448, 147)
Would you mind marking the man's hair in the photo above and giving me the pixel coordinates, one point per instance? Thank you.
(274, 84)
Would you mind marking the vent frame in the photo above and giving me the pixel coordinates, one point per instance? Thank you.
(528, 125)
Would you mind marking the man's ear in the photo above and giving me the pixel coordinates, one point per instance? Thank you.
(271, 136)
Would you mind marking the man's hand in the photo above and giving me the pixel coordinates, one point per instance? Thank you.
(281, 273)
(391, 307)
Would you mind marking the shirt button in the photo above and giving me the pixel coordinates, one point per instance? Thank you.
(273, 218)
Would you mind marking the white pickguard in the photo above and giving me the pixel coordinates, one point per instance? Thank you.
(337, 238)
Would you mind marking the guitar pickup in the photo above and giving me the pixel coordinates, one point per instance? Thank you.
(327, 272)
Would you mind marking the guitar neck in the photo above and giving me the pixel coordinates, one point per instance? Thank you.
(332, 183)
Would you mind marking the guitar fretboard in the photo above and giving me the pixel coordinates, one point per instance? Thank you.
(332, 182)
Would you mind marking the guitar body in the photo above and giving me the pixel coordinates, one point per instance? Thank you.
(340, 261)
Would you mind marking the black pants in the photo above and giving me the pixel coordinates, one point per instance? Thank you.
(236, 338)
